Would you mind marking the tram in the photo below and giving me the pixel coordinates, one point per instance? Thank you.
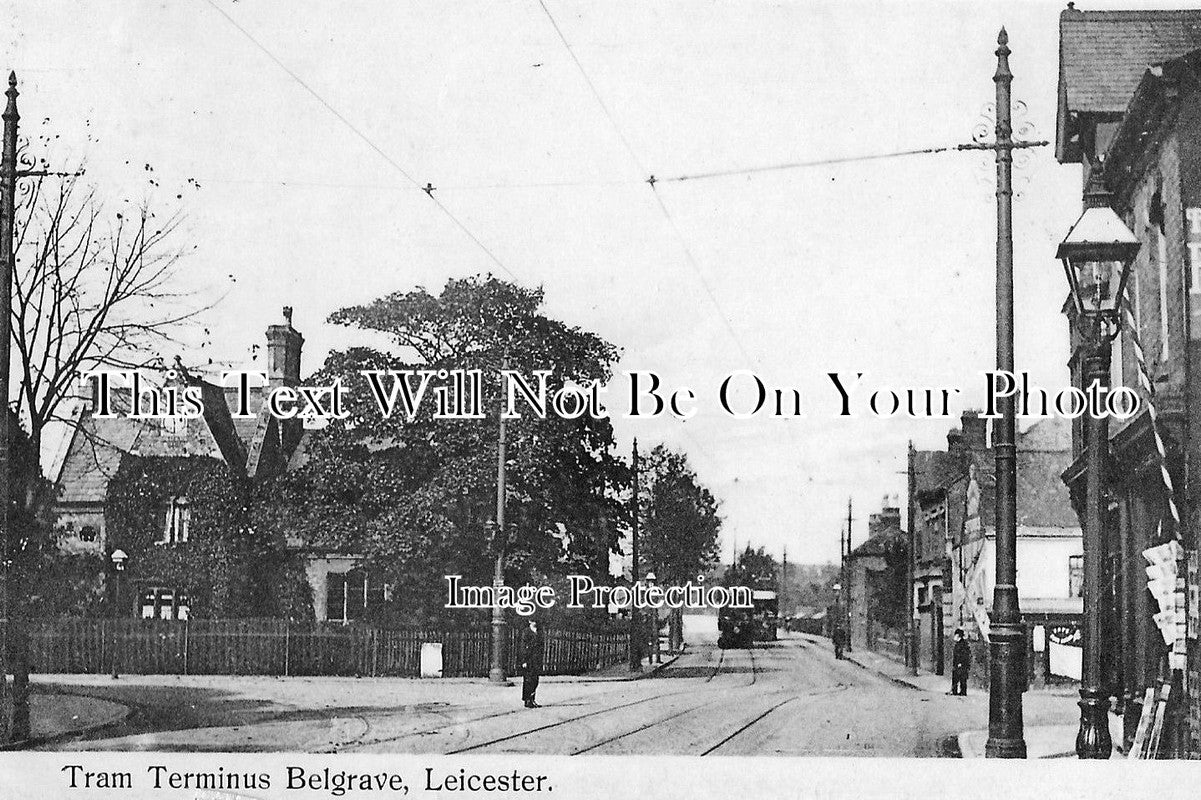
(740, 627)
(766, 615)
(735, 627)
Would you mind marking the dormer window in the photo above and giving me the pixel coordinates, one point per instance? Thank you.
(178, 517)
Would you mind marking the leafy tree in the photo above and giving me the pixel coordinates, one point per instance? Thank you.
(219, 564)
(755, 568)
(680, 523)
(417, 496)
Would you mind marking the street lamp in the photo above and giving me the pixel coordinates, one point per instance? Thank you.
(118, 558)
(1096, 256)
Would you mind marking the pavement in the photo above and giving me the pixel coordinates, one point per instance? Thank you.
(56, 715)
(83, 706)
(1042, 740)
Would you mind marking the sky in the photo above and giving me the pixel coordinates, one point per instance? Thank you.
(294, 136)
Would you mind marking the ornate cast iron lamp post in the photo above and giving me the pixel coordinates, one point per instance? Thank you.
(1096, 256)
(118, 558)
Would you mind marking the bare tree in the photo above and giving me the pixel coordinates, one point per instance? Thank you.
(91, 289)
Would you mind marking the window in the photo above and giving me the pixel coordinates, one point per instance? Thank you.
(175, 526)
(350, 595)
(1155, 219)
(87, 533)
(1161, 256)
(164, 603)
(1116, 373)
(1075, 576)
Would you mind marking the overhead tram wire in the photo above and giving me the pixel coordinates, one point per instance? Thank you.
(594, 183)
(365, 139)
(592, 87)
(789, 165)
(691, 260)
(600, 101)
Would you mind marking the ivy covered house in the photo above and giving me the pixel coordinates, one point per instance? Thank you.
(174, 494)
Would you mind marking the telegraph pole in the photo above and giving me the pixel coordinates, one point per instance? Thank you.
(846, 578)
(783, 594)
(910, 606)
(635, 629)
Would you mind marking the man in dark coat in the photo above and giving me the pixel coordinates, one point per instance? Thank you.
(531, 663)
(839, 636)
(961, 660)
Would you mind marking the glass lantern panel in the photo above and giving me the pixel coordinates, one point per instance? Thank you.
(1098, 281)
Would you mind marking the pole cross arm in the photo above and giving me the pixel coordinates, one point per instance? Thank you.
(1019, 145)
(44, 173)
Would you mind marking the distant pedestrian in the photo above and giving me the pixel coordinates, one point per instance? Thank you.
(839, 635)
(961, 661)
(531, 663)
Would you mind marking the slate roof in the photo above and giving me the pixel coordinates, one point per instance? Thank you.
(884, 541)
(1103, 54)
(96, 445)
(1044, 452)
(1043, 501)
(937, 469)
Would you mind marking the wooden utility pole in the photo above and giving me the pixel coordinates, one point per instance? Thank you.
(846, 578)
(783, 594)
(635, 628)
(911, 565)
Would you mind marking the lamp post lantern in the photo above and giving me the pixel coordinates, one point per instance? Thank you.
(1096, 257)
(118, 558)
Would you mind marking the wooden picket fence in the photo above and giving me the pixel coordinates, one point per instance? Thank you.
(279, 647)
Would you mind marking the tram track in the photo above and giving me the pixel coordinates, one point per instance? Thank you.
(610, 709)
(723, 665)
(363, 742)
(691, 708)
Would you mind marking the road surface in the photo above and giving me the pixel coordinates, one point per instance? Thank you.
(789, 697)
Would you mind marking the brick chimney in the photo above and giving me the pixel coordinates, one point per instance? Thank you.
(887, 517)
(975, 430)
(955, 441)
(283, 353)
(283, 369)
